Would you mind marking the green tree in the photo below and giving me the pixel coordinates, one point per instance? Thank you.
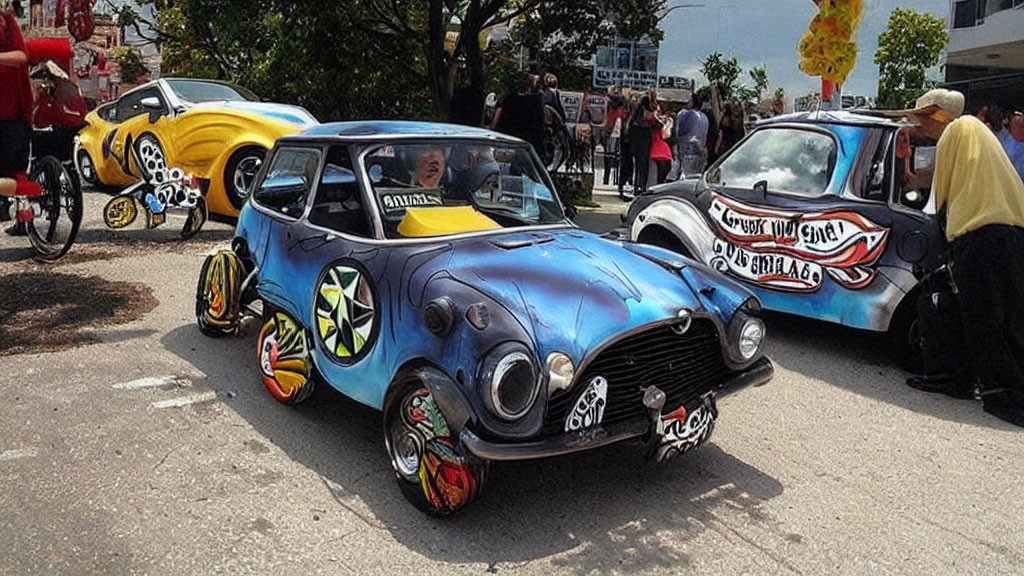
(909, 46)
(722, 74)
(370, 57)
(129, 63)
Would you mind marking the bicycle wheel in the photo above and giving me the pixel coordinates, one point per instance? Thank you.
(59, 210)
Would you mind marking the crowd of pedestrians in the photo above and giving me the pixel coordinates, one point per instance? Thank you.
(647, 141)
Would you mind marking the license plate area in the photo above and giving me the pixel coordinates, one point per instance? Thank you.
(684, 430)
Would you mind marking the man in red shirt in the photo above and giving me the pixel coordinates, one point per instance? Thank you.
(15, 110)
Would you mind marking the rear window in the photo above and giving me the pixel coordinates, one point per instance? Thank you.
(785, 159)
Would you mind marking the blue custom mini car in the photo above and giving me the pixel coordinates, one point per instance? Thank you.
(820, 214)
(429, 271)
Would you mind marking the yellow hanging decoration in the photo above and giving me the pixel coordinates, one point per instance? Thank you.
(828, 48)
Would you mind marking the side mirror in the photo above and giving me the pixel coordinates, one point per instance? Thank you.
(156, 109)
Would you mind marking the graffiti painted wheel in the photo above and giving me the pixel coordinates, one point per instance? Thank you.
(197, 216)
(150, 159)
(120, 212)
(284, 360)
(218, 310)
(433, 473)
(240, 174)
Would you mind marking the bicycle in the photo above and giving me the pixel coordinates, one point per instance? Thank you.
(53, 218)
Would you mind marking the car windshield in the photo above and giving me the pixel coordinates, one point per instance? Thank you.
(195, 91)
(785, 159)
(451, 187)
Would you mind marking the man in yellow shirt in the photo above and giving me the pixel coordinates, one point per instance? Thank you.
(983, 197)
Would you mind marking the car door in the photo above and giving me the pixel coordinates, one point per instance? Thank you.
(802, 213)
(133, 120)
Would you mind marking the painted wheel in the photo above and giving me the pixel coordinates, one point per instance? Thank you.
(150, 159)
(86, 168)
(197, 216)
(284, 359)
(240, 174)
(346, 319)
(218, 308)
(433, 473)
(120, 212)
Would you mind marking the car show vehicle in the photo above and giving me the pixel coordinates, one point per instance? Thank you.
(429, 271)
(819, 214)
(212, 130)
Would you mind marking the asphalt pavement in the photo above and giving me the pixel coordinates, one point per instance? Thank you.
(138, 446)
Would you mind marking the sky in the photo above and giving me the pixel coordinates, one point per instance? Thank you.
(766, 32)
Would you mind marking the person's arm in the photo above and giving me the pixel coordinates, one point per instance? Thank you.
(13, 59)
(497, 118)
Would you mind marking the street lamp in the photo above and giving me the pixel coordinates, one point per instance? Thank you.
(678, 6)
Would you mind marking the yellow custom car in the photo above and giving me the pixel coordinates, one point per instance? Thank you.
(215, 131)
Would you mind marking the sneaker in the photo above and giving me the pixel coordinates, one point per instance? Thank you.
(26, 187)
(948, 384)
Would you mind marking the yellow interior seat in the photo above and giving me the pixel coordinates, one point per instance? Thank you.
(443, 220)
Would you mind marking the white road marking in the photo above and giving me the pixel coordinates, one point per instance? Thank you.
(16, 454)
(153, 382)
(185, 400)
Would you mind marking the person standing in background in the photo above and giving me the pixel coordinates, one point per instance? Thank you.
(551, 97)
(614, 117)
(1012, 139)
(732, 126)
(691, 139)
(626, 148)
(640, 140)
(521, 113)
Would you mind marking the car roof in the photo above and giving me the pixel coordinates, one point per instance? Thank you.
(847, 117)
(387, 129)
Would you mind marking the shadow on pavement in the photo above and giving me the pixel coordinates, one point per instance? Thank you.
(859, 361)
(602, 510)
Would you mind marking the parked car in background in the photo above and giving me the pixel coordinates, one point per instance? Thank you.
(818, 214)
(429, 271)
(215, 131)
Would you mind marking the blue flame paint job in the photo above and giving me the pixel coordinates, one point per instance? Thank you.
(560, 290)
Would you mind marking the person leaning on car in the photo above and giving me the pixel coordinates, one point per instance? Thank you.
(984, 201)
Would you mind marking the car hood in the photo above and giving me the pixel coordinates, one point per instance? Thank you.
(282, 112)
(573, 290)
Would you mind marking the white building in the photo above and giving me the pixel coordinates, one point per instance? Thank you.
(985, 55)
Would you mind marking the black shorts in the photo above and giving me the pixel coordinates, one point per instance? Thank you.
(14, 138)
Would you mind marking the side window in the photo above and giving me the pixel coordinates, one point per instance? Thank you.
(108, 113)
(338, 204)
(786, 159)
(289, 180)
(915, 164)
(131, 105)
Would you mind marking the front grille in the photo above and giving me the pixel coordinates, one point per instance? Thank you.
(684, 367)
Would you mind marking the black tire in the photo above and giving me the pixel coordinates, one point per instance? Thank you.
(218, 310)
(87, 168)
(905, 336)
(433, 473)
(249, 159)
(53, 232)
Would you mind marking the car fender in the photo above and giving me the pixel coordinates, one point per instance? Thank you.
(445, 391)
(680, 218)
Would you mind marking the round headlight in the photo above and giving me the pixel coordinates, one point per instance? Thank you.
(513, 386)
(751, 336)
(560, 372)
